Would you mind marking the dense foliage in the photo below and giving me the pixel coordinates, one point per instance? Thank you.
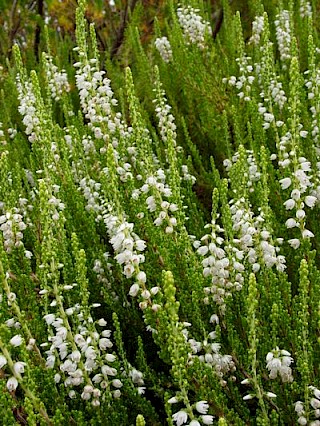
(159, 255)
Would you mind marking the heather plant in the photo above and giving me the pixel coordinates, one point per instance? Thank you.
(159, 244)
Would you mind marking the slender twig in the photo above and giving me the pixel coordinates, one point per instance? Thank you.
(120, 36)
(218, 24)
(40, 13)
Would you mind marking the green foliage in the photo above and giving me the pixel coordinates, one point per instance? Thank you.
(159, 201)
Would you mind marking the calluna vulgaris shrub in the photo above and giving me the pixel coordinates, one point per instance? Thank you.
(160, 226)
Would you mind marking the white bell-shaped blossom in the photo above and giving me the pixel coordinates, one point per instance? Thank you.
(164, 48)
(194, 27)
(278, 364)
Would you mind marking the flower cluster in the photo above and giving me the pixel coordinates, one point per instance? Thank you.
(225, 272)
(166, 119)
(252, 173)
(157, 185)
(56, 203)
(186, 175)
(127, 246)
(17, 367)
(268, 117)
(96, 98)
(208, 352)
(84, 358)
(164, 48)
(12, 226)
(257, 30)
(57, 80)
(137, 379)
(181, 416)
(300, 197)
(277, 93)
(11, 132)
(283, 34)
(99, 269)
(278, 363)
(194, 27)
(88, 144)
(244, 82)
(90, 189)
(299, 409)
(315, 406)
(253, 240)
(305, 9)
(27, 108)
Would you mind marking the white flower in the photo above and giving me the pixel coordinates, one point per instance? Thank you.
(283, 34)
(105, 343)
(203, 250)
(108, 371)
(28, 254)
(295, 194)
(289, 204)
(291, 223)
(3, 361)
(307, 234)
(193, 25)
(214, 319)
(128, 270)
(285, 183)
(271, 395)
(134, 290)
(181, 417)
(194, 423)
(294, 243)
(49, 318)
(12, 384)
(16, 340)
(207, 420)
(298, 407)
(116, 383)
(154, 290)
(164, 48)
(300, 214)
(310, 201)
(117, 393)
(315, 403)
(257, 29)
(151, 203)
(141, 390)
(256, 267)
(86, 396)
(110, 357)
(18, 367)
(202, 407)
(278, 363)
(141, 277)
(247, 397)
(173, 400)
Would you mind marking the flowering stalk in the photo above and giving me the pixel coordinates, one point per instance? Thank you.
(252, 305)
(17, 378)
